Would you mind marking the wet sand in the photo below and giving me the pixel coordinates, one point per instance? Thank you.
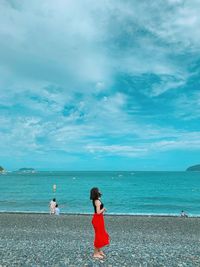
(67, 240)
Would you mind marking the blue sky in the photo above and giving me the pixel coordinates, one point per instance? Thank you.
(99, 85)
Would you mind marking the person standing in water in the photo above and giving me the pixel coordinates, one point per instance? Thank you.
(101, 237)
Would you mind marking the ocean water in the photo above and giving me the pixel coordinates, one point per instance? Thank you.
(165, 193)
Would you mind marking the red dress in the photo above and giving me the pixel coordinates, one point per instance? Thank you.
(101, 237)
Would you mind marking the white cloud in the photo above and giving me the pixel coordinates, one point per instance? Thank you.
(186, 141)
(72, 43)
(117, 150)
(187, 106)
(167, 83)
(177, 23)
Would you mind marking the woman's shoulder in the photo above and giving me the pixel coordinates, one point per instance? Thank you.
(97, 201)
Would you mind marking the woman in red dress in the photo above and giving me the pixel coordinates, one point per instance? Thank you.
(101, 238)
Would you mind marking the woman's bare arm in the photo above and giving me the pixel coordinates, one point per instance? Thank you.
(98, 204)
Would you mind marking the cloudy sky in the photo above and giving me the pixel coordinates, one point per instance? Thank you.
(99, 85)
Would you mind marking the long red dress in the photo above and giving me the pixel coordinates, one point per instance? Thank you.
(101, 237)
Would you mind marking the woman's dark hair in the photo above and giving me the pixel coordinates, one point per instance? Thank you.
(54, 200)
(94, 193)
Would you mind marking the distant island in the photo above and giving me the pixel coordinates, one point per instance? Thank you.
(195, 168)
(1, 169)
(28, 170)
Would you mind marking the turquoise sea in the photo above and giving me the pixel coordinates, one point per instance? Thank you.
(123, 192)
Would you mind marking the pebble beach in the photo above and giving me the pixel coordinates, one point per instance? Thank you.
(67, 240)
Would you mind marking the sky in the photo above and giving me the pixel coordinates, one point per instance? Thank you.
(99, 85)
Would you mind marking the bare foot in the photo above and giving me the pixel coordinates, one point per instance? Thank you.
(98, 256)
(102, 254)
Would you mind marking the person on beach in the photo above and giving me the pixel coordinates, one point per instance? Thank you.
(183, 214)
(57, 210)
(101, 237)
(52, 206)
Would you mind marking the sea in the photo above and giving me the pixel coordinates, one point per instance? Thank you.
(123, 192)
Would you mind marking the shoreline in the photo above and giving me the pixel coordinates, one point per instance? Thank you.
(106, 214)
